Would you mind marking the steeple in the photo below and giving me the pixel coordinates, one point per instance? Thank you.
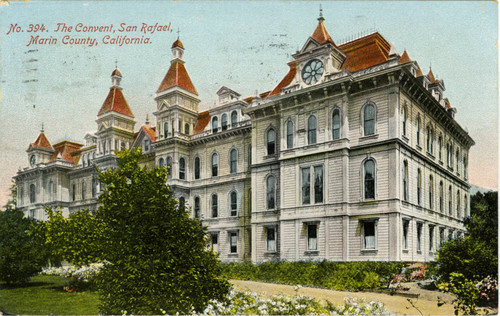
(116, 77)
(115, 101)
(320, 34)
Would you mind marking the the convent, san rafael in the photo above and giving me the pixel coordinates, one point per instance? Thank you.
(354, 155)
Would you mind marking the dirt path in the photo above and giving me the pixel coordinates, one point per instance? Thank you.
(426, 303)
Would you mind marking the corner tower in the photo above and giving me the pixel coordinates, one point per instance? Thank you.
(115, 120)
(176, 98)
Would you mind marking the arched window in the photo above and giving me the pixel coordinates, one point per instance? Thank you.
(440, 147)
(84, 160)
(224, 121)
(94, 186)
(233, 158)
(369, 178)
(271, 192)
(21, 196)
(431, 192)
(458, 161)
(369, 119)
(186, 129)
(83, 190)
(169, 165)
(271, 142)
(289, 134)
(182, 168)
(165, 129)
(405, 180)
(311, 130)
(215, 164)
(197, 207)
(215, 207)
(419, 187)
(418, 130)
(234, 118)
(336, 124)
(459, 208)
(233, 203)
(51, 190)
(441, 196)
(215, 124)
(450, 200)
(404, 118)
(465, 167)
(465, 206)
(88, 159)
(430, 140)
(161, 162)
(197, 166)
(448, 150)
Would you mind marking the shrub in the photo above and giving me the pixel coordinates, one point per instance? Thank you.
(21, 251)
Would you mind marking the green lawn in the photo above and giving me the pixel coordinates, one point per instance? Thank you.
(45, 295)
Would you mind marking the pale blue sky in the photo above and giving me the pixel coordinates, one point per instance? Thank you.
(242, 45)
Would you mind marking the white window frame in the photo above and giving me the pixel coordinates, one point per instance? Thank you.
(364, 245)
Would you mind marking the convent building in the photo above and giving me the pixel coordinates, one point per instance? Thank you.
(354, 155)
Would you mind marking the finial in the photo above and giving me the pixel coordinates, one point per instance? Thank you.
(178, 32)
(321, 18)
(116, 64)
(42, 130)
(147, 118)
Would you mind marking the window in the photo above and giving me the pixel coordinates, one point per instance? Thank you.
(318, 184)
(404, 117)
(161, 162)
(215, 124)
(369, 178)
(459, 210)
(83, 190)
(234, 118)
(336, 124)
(311, 130)
(33, 193)
(146, 145)
(74, 192)
(441, 236)
(84, 161)
(450, 197)
(169, 165)
(182, 168)
(233, 157)
(271, 140)
(418, 131)
(214, 240)
(21, 196)
(440, 148)
(419, 187)
(215, 164)
(369, 119)
(431, 192)
(430, 140)
(182, 202)
(289, 134)
(271, 192)
(94, 186)
(215, 209)
(165, 129)
(88, 156)
(233, 242)
(51, 190)
(405, 180)
(312, 237)
(306, 185)
(458, 161)
(431, 238)
(465, 167)
(419, 237)
(441, 196)
(369, 235)
(197, 167)
(186, 129)
(406, 225)
(271, 239)
(224, 121)
(234, 203)
(448, 155)
(197, 207)
(180, 127)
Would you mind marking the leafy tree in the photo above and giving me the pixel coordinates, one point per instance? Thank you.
(12, 202)
(156, 256)
(21, 253)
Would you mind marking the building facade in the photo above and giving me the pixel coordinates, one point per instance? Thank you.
(354, 155)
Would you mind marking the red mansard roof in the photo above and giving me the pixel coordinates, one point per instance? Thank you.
(321, 35)
(201, 122)
(404, 58)
(177, 75)
(68, 151)
(150, 131)
(116, 102)
(365, 52)
(286, 80)
(42, 142)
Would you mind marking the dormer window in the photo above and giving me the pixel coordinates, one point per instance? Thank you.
(224, 121)
(215, 124)
(146, 145)
(234, 118)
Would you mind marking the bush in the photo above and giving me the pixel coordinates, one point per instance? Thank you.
(21, 252)
(351, 276)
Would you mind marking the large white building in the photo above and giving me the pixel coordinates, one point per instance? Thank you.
(354, 155)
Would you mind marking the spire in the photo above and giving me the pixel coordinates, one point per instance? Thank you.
(430, 75)
(115, 101)
(404, 58)
(42, 141)
(320, 33)
(116, 77)
(41, 131)
(321, 18)
(177, 75)
(147, 119)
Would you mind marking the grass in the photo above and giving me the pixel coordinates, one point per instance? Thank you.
(45, 295)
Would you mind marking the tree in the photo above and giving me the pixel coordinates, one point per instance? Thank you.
(156, 256)
(12, 202)
(21, 253)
